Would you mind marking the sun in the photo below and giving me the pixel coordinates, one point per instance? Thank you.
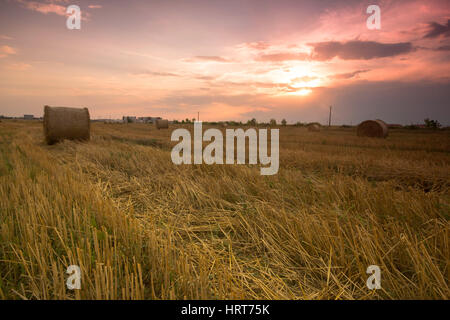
(297, 79)
(302, 80)
(302, 92)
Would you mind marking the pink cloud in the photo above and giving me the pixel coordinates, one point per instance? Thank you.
(283, 56)
(51, 7)
(44, 8)
(207, 58)
(6, 51)
(258, 45)
(21, 66)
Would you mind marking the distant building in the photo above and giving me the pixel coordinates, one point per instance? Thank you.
(28, 116)
(148, 119)
(127, 119)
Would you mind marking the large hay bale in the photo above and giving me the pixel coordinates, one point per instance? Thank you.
(314, 127)
(372, 128)
(162, 124)
(66, 123)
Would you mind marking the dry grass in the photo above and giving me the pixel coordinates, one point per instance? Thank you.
(141, 227)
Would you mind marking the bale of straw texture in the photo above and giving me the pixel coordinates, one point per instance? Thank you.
(372, 128)
(315, 127)
(66, 123)
(162, 124)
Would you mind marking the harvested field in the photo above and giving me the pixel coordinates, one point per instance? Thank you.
(141, 227)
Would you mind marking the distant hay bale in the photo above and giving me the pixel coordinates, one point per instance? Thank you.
(66, 123)
(162, 124)
(379, 120)
(314, 127)
(372, 128)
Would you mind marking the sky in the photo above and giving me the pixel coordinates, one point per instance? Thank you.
(229, 60)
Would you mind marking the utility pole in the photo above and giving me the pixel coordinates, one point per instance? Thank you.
(198, 116)
(329, 119)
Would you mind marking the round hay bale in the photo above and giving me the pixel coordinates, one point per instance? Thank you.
(384, 123)
(314, 127)
(162, 124)
(66, 123)
(372, 128)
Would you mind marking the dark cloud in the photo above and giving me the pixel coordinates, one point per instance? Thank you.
(358, 50)
(394, 102)
(347, 75)
(283, 56)
(443, 48)
(435, 30)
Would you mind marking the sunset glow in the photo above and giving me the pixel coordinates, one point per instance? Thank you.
(227, 60)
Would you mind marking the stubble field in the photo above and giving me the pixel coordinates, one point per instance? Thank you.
(141, 227)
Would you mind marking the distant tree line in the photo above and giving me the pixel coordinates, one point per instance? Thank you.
(432, 124)
(428, 123)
